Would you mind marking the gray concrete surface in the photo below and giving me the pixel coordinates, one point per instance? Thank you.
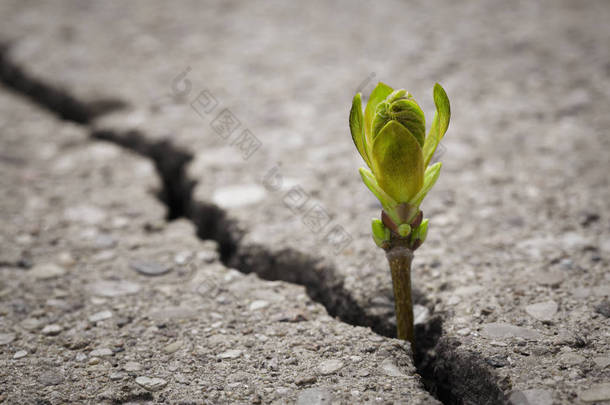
(105, 302)
(516, 262)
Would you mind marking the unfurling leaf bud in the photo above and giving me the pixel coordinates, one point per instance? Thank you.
(400, 106)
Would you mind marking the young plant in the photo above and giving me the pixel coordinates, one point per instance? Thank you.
(391, 138)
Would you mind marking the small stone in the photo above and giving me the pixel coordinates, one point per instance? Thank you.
(116, 376)
(571, 359)
(602, 362)
(574, 241)
(51, 330)
(497, 361)
(173, 313)
(173, 347)
(238, 195)
(500, 330)
(149, 268)
(601, 290)
(365, 372)
(390, 368)
(6, 338)
(104, 255)
(581, 292)
(469, 290)
(94, 361)
(151, 383)
(531, 397)
(330, 366)
(66, 259)
(603, 308)
(230, 354)
(454, 300)
(20, 354)
(30, 324)
(208, 256)
(597, 392)
(47, 271)
(100, 316)
(110, 288)
(182, 257)
(315, 396)
(543, 311)
(49, 378)
(549, 278)
(131, 366)
(305, 380)
(104, 241)
(566, 263)
(87, 214)
(421, 314)
(463, 331)
(258, 304)
(101, 352)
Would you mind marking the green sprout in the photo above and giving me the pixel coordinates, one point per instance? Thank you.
(391, 138)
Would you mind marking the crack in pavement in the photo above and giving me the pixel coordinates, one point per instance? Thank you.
(452, 377)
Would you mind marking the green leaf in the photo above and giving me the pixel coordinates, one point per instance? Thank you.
(430, 177)
(356, 126)
(398, 162)
(381, 234)
(405, 111)
(378, 229)
(439, 124)
(368, 179)
(380, 93)
(422, 231)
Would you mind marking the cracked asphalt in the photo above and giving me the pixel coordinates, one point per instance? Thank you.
(264, 285)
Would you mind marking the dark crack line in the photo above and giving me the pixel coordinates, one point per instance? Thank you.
(52, 98)
(452, 376)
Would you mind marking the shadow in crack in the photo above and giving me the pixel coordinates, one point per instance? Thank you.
(51, 97)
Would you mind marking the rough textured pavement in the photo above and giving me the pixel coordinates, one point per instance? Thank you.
(105, 302)
(512, 284)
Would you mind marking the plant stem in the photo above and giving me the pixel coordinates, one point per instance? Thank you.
(400, 258)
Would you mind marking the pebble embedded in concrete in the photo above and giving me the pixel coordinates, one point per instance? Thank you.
(238, 195)
(47, 271)
(112, 288)
(315, 396)
(6, 338)
(20, 354)
(100, 316)
(51, 330)
(132, 366)
(173, 347)
(151, 383)
(596, 393)
(500, 330)
(230, 354)
(101, 352)
(330, 366)
(150, 268)
(549, 278)
(543, 311)
(49, 378)
(258, 304)
(531, 397)
(390, 368)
